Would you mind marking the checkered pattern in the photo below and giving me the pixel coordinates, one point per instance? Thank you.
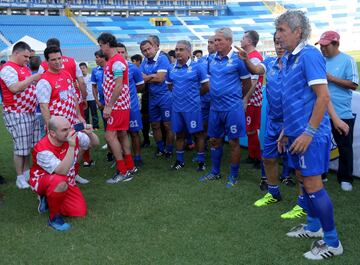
(123, 102)
(24, 129)
(257, 96)
(49, 90)
(64, 108)
(20, 102)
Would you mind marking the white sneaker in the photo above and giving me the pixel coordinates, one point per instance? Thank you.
(104, 147)
(81, 180)
(21, 182)
(320, 250)
(346, 186)
(301, 232)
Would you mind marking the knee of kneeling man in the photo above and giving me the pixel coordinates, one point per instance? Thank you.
(61, 187)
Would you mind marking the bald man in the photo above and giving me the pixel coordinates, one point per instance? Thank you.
(52, 175)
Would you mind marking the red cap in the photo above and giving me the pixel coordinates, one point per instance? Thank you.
(327, 37)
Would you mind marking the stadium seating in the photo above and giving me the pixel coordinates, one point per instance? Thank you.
(43, 28)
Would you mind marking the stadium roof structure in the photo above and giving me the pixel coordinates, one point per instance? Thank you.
(36, 45)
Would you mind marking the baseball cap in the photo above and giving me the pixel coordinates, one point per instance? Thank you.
(327, 37)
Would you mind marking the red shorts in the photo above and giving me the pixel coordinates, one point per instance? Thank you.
(253, 118)
(119, 120)
(73, 203)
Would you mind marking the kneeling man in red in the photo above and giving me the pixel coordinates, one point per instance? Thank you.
(52, 175)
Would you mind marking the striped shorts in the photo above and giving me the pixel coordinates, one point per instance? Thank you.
(24, 129)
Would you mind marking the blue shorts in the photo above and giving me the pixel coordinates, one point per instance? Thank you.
(135, 121)
(272, 132)
(315, 161)
(186, 122)
(227, 123)
(205, 110)
(160, 109)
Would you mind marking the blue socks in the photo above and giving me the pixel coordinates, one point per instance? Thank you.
(274, 190)
(180, 156)
(234, 170)
(137, 158)
(323, 209)
(169, 148)
(200, 157)
(160, 146)
(216, 154)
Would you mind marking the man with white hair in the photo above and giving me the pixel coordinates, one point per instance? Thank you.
(229, 81)
(305, 100)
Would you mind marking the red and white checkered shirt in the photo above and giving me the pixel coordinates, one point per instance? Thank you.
(20, 102)
(58, 91)
(257, 97)
(117, 64)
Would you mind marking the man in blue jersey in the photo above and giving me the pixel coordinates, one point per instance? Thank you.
(227, 117)
(274, 122)
(154, 68)
(305, 99)
(136, 84)
(205, 99)
(187, 79)
(342, 76)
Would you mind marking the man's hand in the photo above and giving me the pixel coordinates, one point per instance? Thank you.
(85, 104)
(88, 129)
(329, 77)
(242, 54)
(282, 142)
(107, 112)
(71, 139)
(100, 105)
(341, 126)
(300, 145)
(245, 103)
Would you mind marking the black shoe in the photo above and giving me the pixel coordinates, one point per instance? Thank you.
(168, 155)
(201, 166)
(89, 164)
(263, 184)
(178, 165)
(257, 164)
(2, 180)
(145, 144)
(324, 177)
(109, 157)
(289, 182)
(159, 153)
(138, 163)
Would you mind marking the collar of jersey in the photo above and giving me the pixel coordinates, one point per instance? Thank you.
(299, 47)
(180, 66)
(156, 56)
(231, 52)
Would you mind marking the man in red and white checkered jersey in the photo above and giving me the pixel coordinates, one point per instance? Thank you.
(19, 105)
(55, 91)
(117, 108)
(54, 168)
(253, 99)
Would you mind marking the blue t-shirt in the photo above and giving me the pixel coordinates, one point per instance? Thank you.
(302, 68)
(205, 60)
(160, 63)
(273, 88)
(225, 81)
(135, 79)
(344, 67)
(187, 80)
(97, 77)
